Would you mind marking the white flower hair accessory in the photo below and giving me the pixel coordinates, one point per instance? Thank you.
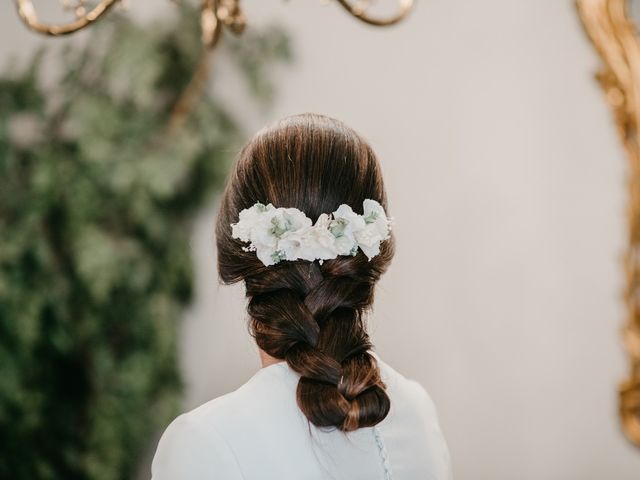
(277, 234)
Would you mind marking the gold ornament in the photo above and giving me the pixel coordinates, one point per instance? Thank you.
(615, 38)
(214, 15)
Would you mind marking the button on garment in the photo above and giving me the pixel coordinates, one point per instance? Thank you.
(258, 433)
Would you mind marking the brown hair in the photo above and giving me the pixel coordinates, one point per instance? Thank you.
(308, 314)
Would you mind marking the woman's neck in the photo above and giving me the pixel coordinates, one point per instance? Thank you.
(266, 359)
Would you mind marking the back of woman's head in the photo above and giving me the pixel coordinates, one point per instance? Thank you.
(311, 314)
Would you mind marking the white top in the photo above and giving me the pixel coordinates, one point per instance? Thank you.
(258, 433)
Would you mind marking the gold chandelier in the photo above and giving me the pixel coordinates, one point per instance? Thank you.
(214, 15)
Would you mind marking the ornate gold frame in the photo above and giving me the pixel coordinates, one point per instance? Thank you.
(615, 38)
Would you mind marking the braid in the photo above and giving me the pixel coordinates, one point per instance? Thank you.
(312, 316)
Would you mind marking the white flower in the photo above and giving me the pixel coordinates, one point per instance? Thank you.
(267, 255)
(376, 229)
(248, 218)
(261, 232)
(277, 234)
(346, 223)
(309, 243)
(369, 241)
(289, 219)
(374, 214)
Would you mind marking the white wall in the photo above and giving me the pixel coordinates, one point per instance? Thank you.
(506, 180)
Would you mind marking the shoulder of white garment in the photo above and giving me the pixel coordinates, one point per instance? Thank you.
(427, 414)
(202, 442)
(187, 452)
(412, 409)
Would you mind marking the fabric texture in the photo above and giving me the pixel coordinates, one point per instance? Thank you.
(258, 432)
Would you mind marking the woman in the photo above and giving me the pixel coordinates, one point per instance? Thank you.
(303, 225)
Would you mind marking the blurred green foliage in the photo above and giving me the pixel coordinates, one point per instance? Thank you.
(96, 205)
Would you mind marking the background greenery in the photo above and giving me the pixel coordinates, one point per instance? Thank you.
(96, 203)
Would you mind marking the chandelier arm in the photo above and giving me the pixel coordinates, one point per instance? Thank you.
(405, 7)
(27, 14)
(210, 23)
(192, 92)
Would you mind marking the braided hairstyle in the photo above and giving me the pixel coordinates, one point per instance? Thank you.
(308, 314)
